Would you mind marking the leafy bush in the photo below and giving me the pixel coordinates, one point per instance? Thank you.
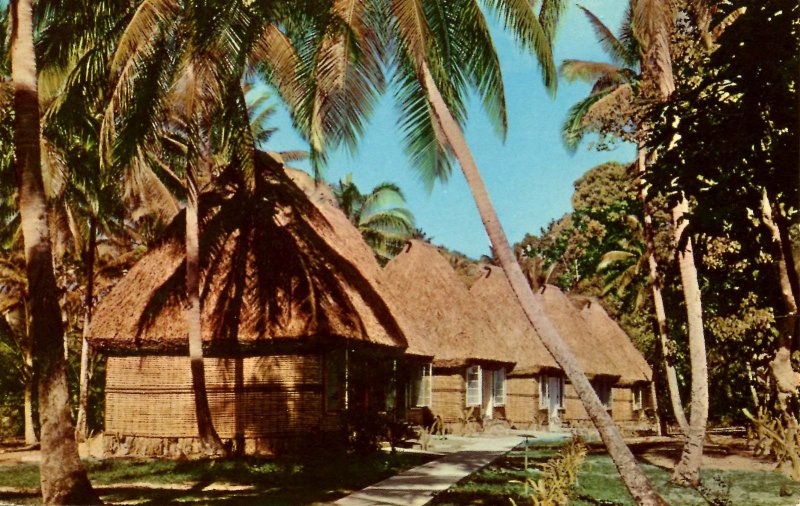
(558, 478)
(365, 431)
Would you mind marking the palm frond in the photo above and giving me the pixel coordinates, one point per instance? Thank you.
(482, 63)
(423, 141)
(615, 49)
(278, 56)
(574, 127)
(520, 19)
(611, 258)
(589, 71)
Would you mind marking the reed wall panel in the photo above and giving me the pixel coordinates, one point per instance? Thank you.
(573, 407)
(622, 409)
(522, 401)
(250, 396)
(449, 396)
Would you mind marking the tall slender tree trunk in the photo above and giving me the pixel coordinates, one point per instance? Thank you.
(30, 432)
(17, 319)
(687, 471)
(767, 216)
(634, 479)
(82, 426)
(786, 380)
(658, 301)
(656, 63)
(205, 426)
(63, 476)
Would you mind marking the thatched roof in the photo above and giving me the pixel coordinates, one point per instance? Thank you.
(276, 267)
(447, 321)
(593, 359)
(494, 293)
(614, 340)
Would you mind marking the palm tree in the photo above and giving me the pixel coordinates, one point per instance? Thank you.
(608, 109)
(624, 267)
(97, 204)
(379, 215)
(436, 57)
(63, 476)
(655, 22)
(178, 103)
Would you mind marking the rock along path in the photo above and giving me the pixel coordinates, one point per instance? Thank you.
(417, 486)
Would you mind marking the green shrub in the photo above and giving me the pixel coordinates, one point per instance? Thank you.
(558, 478)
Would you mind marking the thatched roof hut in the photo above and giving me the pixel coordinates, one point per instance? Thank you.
(616, 343)
(494, 292)
(447, 323)
(593, 359)
(276, 268)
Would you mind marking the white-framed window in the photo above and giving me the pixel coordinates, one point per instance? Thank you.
(637, 396)
(474, 385)
(422, 385)
(604, 391)
(551, 386)
(499, 387)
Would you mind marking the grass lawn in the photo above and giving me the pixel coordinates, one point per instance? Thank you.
(599, 484)
(297, 480)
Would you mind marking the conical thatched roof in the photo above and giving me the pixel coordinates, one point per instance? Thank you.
(446, 320)
(615, 341)
(576, 333)
(275, 268)
(494, 293)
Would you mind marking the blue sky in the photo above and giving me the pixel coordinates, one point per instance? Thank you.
(529, 176)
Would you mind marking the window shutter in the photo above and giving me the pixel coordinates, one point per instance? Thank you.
(499, 387)
(544, 395)
(474, 385)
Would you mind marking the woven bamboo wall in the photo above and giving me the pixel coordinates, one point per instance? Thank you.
(623, 405)
(522, 401)
(449, 396)
(152, 395)
(573, 408)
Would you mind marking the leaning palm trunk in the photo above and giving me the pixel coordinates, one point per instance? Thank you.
(633, 477)
(687, 471)
(82, 426)
(658, 301)
(63, 477)
(205, 426)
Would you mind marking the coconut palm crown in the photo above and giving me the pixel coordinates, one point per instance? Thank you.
(613, 83)
(379, 215)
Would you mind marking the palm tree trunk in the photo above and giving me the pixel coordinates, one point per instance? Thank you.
(787, 293)
(82, 425)
(17, 319)
(658, 301)
(635, 480)
(30, 433)
(63, 477)
(785, 377)
(687, 471)
(657, 72)
(205, 426)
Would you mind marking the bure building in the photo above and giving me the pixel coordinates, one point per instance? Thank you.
(302, 328)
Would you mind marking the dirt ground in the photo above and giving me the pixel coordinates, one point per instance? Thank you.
(720, 452)
(12, 453)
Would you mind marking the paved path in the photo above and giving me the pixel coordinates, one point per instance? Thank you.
(417, 486)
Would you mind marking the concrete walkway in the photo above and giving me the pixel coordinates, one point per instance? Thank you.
(417, 486)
